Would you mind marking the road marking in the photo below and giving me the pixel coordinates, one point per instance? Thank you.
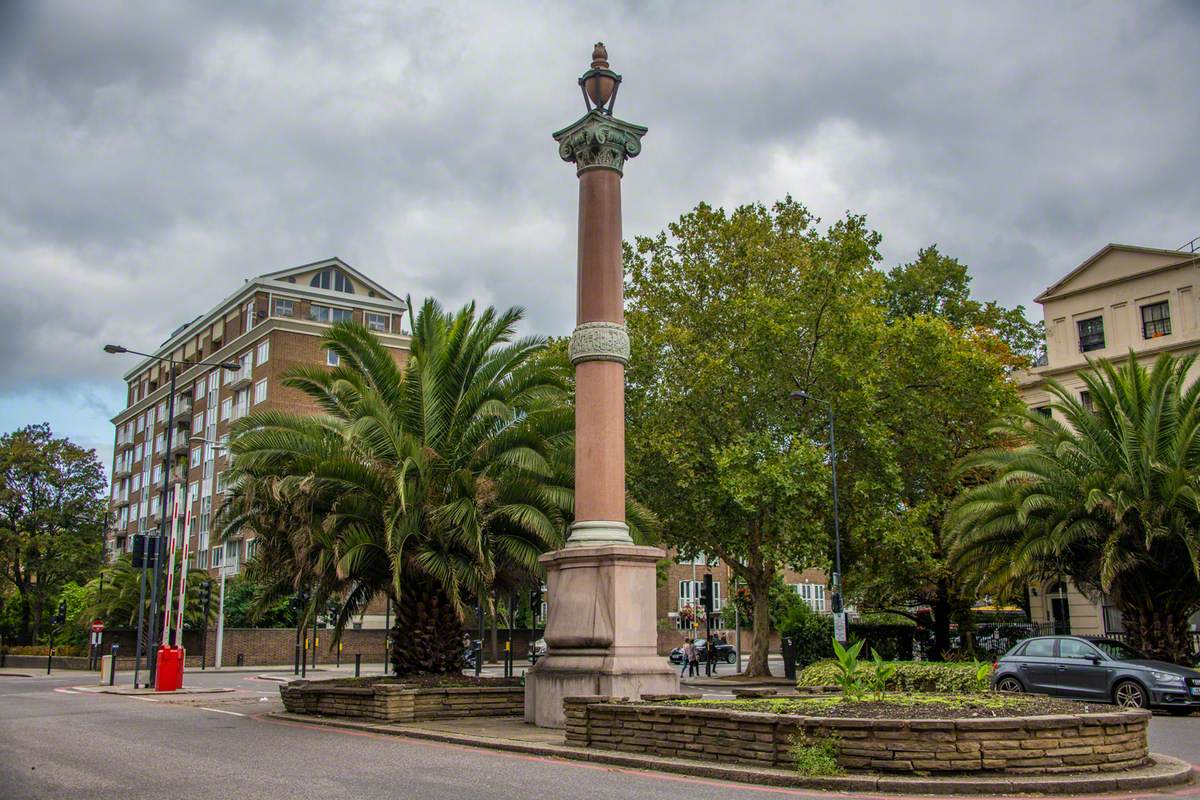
(67, 691)
(222, 711)
(147, 699)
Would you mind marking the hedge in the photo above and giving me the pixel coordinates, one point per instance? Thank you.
(911, 676)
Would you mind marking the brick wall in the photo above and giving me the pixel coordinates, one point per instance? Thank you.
(1103, 742)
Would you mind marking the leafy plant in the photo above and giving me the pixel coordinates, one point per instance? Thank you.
(849, 670)
(882, 673)
(815, 756)
(983, 673)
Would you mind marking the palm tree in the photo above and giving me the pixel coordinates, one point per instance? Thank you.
(423, 483)
(1108, 499)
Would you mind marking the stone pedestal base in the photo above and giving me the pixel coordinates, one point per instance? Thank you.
(601, 633)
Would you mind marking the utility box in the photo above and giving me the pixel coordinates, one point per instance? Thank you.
(169, 674)
(107, 665)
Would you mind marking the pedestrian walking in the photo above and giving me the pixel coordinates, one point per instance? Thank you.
(687, 643)
(693, 659)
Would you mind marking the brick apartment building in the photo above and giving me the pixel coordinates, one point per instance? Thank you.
(270, 324)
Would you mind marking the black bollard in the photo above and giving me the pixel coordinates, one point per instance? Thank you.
(357, 664)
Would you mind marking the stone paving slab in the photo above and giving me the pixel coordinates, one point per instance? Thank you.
(513, 734)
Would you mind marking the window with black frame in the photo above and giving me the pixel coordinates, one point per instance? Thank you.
(1156, 320)
(1091, 334)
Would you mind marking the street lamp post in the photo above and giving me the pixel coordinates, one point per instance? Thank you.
(837, 535)
(152, 632)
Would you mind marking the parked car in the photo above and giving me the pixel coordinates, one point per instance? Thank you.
(537, 650)
(1097, 669)
(724, 652)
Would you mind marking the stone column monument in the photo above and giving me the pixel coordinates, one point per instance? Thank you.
(601, 632)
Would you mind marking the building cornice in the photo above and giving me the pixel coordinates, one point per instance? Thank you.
(1032, 380)
(1052, 293)
(249, 339)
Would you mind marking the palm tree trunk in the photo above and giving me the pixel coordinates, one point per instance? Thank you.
(427, 635)
(1158, 630)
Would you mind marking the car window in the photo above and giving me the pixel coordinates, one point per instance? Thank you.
(1119, 651)
(1039, 648)
(1073, 648)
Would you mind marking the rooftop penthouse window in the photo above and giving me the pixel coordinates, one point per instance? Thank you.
(334, 279)
(1091, 334)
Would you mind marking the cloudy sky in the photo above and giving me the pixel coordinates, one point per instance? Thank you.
(154, 155)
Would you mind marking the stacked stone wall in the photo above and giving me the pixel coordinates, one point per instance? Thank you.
(391, 702)
(1101, 742)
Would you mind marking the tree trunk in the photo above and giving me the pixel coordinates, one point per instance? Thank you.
(760, 646)
(1159, 631)
(941, 621)
(427, 635)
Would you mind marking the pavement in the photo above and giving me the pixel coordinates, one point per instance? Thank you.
(62, 738)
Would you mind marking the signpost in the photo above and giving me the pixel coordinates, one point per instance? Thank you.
(95, 641)
(839, 627)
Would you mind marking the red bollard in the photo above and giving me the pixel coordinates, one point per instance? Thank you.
(169, 675)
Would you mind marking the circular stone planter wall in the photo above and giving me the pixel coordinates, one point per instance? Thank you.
(1067, 743)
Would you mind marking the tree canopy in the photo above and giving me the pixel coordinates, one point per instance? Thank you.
(729, 313)
(52, 514)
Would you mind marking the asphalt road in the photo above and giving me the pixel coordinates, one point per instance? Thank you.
(56, 742)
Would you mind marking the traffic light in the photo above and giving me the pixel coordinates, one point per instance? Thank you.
(206, 593)
(144, 550)
(61, 617)
(706, 593)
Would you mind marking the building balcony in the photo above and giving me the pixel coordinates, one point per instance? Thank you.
(122, 470)
(124, 444)
(183, 409)
(179, 445)
(239, 379)
(120, 501)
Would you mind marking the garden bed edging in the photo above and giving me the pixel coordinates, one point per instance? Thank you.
(1066, 743)
(396, 702)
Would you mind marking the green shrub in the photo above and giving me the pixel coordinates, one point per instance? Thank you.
(911, 676)
(881, 672)
(811, 631)
(814, 757)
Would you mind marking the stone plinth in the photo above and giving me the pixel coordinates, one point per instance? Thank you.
(601, 634)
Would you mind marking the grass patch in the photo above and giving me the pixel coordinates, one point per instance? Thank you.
(814, 756)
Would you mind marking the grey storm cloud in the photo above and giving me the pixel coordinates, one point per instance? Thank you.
(155, 154)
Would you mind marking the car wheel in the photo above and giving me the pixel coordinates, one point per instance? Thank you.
(1128, 694)
(731, 657)
(1009, 684)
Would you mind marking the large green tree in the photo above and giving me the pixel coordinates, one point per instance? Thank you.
(728, 313)
(52, 515)
(731, 312)
(1107, 496)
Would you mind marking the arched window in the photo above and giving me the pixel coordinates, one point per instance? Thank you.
(332, 278)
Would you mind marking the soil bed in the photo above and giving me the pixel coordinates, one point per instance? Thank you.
(422, 681)
(905, 706)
